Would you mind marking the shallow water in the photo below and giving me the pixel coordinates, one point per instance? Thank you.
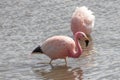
(26, 23)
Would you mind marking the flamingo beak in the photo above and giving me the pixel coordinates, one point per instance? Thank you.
(87, 42)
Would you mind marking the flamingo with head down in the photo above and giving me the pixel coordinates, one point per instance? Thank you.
(60, 47)
(82, 20)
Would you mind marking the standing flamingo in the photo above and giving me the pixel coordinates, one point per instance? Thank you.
(60, 47)
(82, 20)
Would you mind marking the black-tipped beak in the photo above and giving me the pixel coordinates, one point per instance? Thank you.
(37, 50)
(87, 42)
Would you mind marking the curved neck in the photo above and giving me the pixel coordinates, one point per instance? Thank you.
(78, 52)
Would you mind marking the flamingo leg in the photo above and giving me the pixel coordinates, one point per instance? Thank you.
(51, 61)
(65, 61)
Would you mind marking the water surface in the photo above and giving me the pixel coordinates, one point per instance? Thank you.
(26, 23)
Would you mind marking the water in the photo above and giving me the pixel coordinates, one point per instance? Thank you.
(26, 23)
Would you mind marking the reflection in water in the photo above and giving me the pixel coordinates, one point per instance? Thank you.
(58, 73)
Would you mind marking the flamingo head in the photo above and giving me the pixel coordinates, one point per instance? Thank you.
(83, 36)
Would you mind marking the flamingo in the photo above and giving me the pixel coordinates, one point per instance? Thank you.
(60, 47)
(82, 20)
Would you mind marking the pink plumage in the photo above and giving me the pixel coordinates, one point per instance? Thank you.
(82, 20)
(60, 47)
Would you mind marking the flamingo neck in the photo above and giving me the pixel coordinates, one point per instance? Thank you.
(77, 52)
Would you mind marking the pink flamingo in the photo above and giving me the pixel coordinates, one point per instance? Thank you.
(60, 47)
(82, 20)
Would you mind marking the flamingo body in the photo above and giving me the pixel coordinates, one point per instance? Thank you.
(60, 47)
(82, 20)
